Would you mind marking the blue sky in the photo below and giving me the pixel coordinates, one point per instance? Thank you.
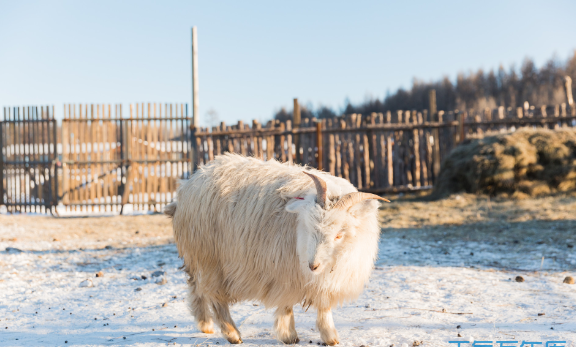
(255, 56)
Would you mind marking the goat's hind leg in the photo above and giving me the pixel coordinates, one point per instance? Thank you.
(285, 327)
(200, 309)
(201, 312)
(224, 320)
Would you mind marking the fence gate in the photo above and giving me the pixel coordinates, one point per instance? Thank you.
(110, 161)
(28, 157)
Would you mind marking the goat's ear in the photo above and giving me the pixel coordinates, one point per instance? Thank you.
(296, 205)
(364, 208)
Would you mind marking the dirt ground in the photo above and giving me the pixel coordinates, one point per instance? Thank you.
(86, 232)
(446, 271)
(544, 221)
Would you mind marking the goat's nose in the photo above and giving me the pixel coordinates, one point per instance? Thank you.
(313, 267)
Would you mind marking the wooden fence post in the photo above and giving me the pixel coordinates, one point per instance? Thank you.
(461, 131)
(193, 146)
(319, 144)
(331, 149)
(519, 112)
(433, 117)
(289, 141)
(568, 84)
(296, 126)
(416, 149)
(432, 105)
(55, 157)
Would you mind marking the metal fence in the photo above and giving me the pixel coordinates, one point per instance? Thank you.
(109, 161)
(28, 142)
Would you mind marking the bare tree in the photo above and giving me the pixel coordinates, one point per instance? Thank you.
(211, 118)
(513, 87)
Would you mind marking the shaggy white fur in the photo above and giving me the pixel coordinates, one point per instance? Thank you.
(252, 230)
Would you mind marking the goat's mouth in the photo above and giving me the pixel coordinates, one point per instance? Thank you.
(316, 268)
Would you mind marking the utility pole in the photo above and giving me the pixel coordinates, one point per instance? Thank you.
(195, 115)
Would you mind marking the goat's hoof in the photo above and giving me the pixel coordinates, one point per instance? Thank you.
(206, 327)
(233, 337)
(235, 341)
(330, 337)
(290, 340)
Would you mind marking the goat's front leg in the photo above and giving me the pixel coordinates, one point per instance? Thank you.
(227, 326)
(325, 325)
(285, 327)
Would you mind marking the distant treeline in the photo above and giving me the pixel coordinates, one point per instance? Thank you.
(479, 90)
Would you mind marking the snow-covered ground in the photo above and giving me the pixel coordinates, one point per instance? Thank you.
(422, 290)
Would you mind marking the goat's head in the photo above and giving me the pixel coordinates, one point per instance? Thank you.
(327, 226)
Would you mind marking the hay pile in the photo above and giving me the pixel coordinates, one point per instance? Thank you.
(524, 163)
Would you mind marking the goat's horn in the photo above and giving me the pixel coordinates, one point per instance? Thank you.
(320, 189)
(352, 199)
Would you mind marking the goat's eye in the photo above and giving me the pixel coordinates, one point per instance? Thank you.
(338, 237)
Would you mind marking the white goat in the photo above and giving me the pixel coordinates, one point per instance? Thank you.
(277, 233)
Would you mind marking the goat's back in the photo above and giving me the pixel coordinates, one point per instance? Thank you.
(234, 234)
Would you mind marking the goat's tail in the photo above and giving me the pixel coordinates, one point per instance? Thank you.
(170, 209)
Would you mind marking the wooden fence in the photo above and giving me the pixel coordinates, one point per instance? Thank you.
(502, 119)
(101, 160)
(376, 152)
(381, 153)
